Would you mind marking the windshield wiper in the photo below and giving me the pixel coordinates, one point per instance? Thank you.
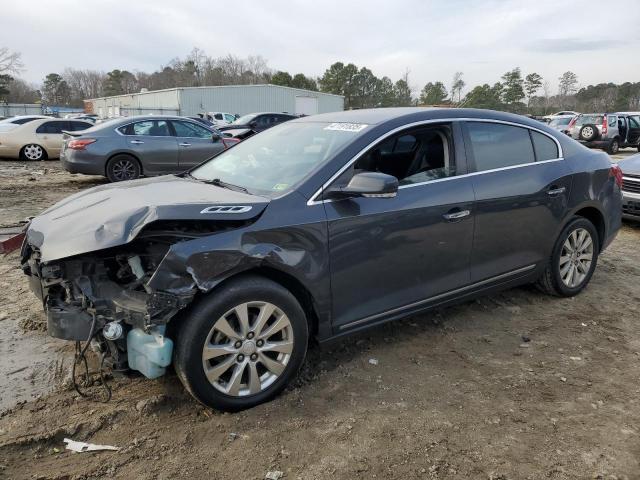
(219, 183)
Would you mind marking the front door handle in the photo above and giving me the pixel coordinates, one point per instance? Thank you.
(553, 191)
(453, 216)
(184, 144)
(136, 142)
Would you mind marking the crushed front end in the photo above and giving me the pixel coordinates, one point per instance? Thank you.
(104, 297)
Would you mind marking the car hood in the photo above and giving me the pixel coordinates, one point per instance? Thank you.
(631, 165)
(112, 215)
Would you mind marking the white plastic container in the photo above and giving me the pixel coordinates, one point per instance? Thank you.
(149, 353)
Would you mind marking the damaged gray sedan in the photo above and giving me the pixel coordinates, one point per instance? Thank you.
(314, 229)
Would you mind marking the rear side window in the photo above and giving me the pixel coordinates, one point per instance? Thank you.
(77, 126)
(546, 149)
(51, 127)
(150, 128)
(496, 146)
(218, 116)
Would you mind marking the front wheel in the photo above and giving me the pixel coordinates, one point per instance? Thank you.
(241, 345)
(572, 261)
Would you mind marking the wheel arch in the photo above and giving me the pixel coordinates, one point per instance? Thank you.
(596, 217)
(301, 293)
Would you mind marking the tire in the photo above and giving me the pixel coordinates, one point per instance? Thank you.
(554, 279)
(613, 147)
(588, 132)
(213, 321)
(33, 152)
(122, 167)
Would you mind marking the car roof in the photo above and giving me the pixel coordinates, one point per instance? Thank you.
(376, 116)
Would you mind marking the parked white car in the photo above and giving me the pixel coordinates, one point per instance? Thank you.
(220, 118)
(563, 113)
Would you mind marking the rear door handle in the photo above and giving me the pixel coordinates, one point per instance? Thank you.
(451, 216)
(136, 142)
(553, 191)
(184, 144)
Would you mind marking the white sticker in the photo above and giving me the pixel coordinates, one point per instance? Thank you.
(347, 127)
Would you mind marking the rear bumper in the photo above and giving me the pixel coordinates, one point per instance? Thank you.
(7, 151)
(595, 143)
(82, 162)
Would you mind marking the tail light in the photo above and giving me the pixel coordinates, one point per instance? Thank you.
(572, 123)
(605, 126)
(80, 143)
(616, 173)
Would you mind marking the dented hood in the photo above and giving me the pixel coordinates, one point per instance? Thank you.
(113, 214)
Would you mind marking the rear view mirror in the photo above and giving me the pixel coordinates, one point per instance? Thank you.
(367, 184)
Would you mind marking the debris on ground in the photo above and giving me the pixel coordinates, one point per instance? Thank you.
(86, 447)
(274, 475)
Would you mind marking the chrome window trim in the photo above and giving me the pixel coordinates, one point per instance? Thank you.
(440, 296)
(313, 201)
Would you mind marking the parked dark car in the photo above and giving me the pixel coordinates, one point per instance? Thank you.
(253, 123)
(631, 188)
(128, 148)
(318, 228)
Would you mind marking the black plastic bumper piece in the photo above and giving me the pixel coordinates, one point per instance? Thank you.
(68, 323)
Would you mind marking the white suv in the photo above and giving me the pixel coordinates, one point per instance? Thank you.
(220, 118)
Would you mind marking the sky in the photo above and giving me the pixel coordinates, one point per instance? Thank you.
(432, 39)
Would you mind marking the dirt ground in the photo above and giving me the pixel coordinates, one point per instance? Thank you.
(517, 385)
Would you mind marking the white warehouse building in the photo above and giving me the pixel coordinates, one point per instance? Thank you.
(234, 99)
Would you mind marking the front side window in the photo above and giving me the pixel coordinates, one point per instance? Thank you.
(634, 122)
(417, 156)
(496, 145)
(218, 116)
(229, 118)
(51, 128)
(279, 158)
(149, 128)
(191, 130)
(545, 148)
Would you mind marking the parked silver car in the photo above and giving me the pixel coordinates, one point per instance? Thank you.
(561, 122)
(608, 131)
(127, 148)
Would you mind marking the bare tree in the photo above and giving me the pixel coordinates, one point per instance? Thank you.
(456, 86)
(10, 62)
(546, 93)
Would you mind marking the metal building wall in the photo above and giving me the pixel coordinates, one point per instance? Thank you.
(160, 102)
(244, 99)
(240, 99)
(12, 109)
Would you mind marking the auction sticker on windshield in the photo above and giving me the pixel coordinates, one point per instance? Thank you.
(346, 127)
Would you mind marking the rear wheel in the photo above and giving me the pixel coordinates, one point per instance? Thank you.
(242, 345)
(33, 152)
(122, 167)
(613, 147)
(573, 259)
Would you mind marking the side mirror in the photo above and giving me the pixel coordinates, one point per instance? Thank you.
(367, 184)
(215, 137)
(253, 124)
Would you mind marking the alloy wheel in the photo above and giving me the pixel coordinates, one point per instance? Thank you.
(33, 152)
(247, 349)
(123, 170)
(576, 257)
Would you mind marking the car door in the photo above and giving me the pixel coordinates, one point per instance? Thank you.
(633, 126)
(195, 143)
(388, 254)
(522, 188)
(49, 135)
(154, 144)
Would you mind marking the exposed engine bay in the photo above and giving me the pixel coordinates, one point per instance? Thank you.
(104, 298)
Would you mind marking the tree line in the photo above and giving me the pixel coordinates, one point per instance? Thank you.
(515, 91)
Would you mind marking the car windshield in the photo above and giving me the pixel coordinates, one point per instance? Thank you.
(595, 119)
(557, 122)
(245, 119)
(274, 161)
